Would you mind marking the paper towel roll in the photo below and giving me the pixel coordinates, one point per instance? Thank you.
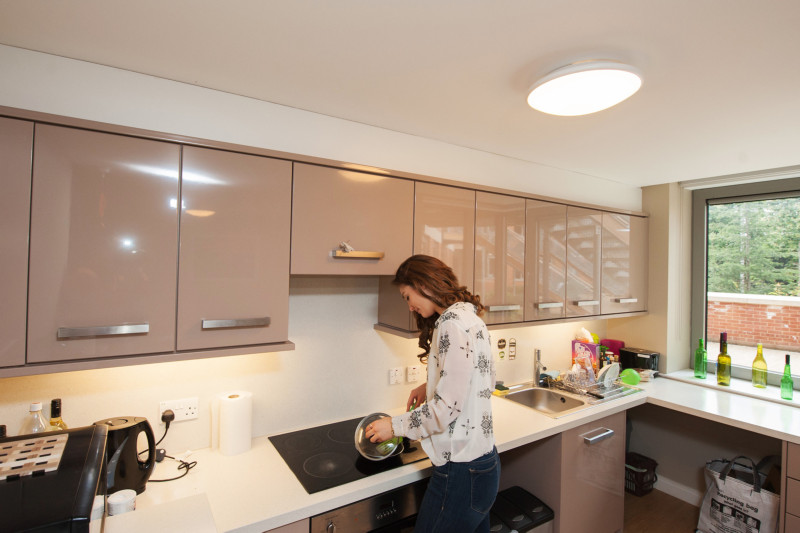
(235, 422)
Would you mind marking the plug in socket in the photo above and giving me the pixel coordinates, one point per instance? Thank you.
(185, 409)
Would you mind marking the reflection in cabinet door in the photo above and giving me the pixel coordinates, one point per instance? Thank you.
(103, 244)
(545, 260)
(500, 256)
(624, 256)
(583, 261)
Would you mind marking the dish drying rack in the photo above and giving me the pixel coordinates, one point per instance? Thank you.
(596, 390)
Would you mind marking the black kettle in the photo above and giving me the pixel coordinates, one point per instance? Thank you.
(125, 468)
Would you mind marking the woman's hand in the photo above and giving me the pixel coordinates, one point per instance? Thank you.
(380, 430)
(417, 397)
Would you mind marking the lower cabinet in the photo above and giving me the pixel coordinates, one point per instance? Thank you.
(580, 474)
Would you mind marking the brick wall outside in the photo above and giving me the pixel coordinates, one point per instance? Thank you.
(772, 321)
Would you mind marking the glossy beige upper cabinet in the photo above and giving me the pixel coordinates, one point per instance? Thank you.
(346, 222)
(545, 260)
(584, 233)
(444, 227)
(624, 263)
(500, 256)
(103, 245)
(234, 255)
(16, 145)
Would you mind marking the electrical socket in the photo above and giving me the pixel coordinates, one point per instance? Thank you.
(395, 376)
(185, 409)
(412, 373)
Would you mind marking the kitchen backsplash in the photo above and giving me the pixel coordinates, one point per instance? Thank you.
(338, 370)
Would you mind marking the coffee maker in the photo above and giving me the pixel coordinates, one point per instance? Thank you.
(125, 467)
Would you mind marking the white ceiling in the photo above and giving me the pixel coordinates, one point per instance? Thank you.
(721, 91)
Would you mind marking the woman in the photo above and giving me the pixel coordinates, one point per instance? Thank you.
(454, 424)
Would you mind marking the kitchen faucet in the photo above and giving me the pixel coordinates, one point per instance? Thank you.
(538, 368)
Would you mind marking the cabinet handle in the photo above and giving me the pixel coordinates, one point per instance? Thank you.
(357, 254)
(493, 308)
(594, 439)
(587, 303)
(102, 331)
(549, 305)
(626, 300)
(236, 323)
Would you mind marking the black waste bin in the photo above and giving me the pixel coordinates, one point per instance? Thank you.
(517, 509)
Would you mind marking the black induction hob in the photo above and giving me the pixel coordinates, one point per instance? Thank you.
(323, 457)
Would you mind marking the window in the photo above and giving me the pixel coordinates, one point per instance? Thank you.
(746, 273)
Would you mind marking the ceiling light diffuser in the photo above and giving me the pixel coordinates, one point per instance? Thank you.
(584, 87)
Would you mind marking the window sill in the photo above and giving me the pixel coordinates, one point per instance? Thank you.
(738, 386)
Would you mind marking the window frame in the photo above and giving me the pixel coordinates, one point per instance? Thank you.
(701, 198)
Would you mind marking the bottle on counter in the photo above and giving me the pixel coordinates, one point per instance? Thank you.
(34, 422)
(723, 361)
(56, 423)
(759, 368)
(2, 431)
(787, 385)
(700, 360)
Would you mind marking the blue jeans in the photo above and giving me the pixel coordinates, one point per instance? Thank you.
(459, 496)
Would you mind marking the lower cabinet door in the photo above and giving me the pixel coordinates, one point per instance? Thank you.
(593, 477)
(233, 287)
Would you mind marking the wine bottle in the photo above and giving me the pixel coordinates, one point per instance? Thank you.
(723, 361)
(787, 385)
(700, 361)
(56, 423)
(759, 368)
(34, 422)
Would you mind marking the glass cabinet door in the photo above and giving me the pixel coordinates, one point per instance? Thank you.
(545, 260)
(500, 256)
(583, 261)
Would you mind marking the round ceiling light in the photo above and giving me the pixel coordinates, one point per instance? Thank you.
(584, 87)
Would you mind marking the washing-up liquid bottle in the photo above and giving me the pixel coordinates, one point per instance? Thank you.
(34, 422)
(700, 360)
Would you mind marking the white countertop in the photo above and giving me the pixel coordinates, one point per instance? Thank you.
(255, 491)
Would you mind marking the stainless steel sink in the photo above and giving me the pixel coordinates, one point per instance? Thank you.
(553, 403)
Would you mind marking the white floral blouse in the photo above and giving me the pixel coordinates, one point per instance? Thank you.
(455, 423)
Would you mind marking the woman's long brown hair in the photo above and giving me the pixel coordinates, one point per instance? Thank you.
(433, 279)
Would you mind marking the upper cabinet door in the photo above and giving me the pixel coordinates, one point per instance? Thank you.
(16, 145)
(545, 260)
(103, 245)
(624, 263)
(444, 227)
(500, 256)
(584, 229)
(234, 255)
(371, 215)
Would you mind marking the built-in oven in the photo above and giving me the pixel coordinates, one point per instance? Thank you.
(394, 511)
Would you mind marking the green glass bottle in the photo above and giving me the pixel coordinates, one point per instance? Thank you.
(787, 385)
(759, 368)
(700, 361)
(723, 361)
